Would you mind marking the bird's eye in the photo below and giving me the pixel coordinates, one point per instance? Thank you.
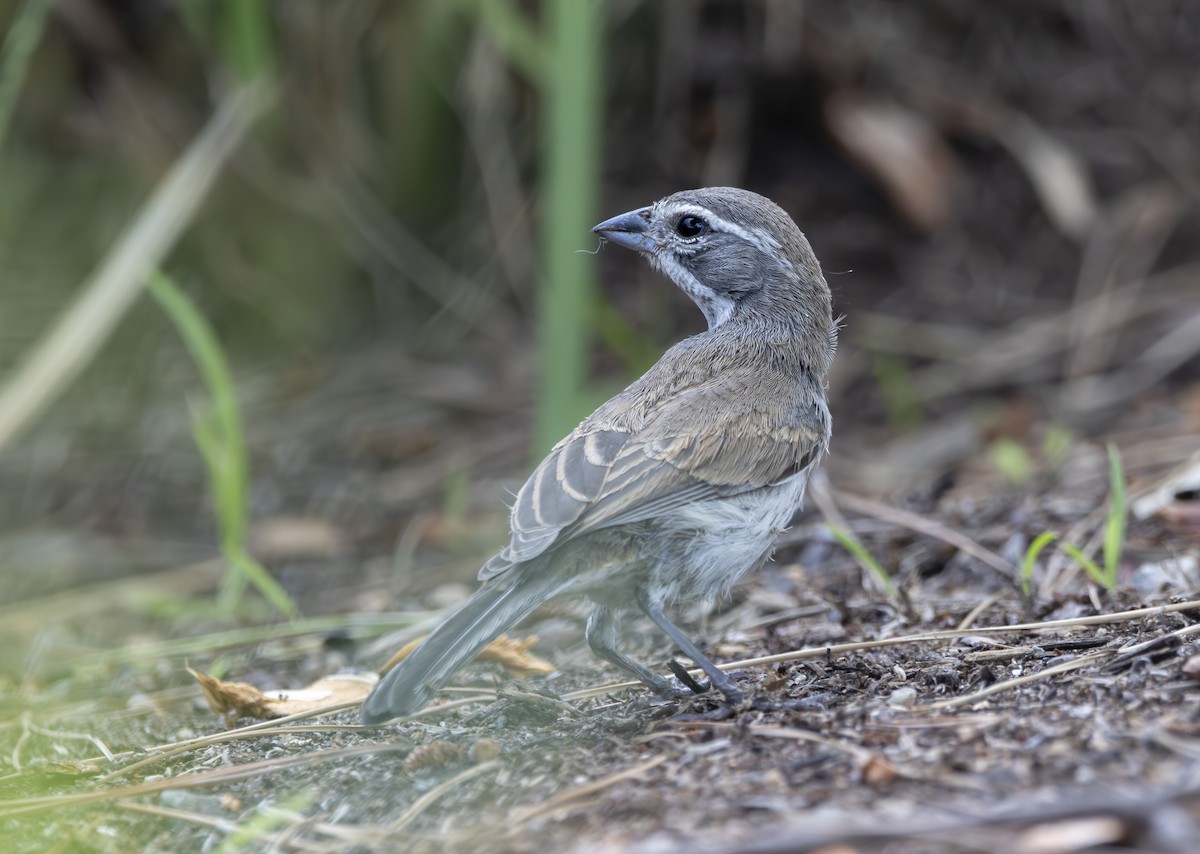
(689, 226)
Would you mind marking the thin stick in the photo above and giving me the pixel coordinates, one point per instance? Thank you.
(219, 776)
(1057, 669)
(970, 619)
(562, 799)
(433, 795)
(942, 634)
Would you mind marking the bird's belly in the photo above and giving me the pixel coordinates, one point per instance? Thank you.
(701, 550)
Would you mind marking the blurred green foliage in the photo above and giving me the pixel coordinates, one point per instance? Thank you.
(571, 177)
(418, 156)
(1115, 524)
(365, 206)
(23, 35)
(218, 432)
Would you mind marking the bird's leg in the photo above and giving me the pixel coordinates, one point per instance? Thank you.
(720, 680)
(602, 638)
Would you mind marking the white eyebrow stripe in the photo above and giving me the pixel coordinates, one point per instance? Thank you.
(763, 240)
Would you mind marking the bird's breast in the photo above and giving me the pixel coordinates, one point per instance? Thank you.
(705, 547)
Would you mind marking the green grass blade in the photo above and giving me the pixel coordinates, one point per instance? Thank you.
(255, 831)
(1031, 555)
(23, 36)
(201, 343)
(246, 37)
(1114, 529)
(572, 104)
(865, 559)
(247, 569)
(219, 436)
(895, 385)
(1087, 563)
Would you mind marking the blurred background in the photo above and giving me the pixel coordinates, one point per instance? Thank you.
(392, 272)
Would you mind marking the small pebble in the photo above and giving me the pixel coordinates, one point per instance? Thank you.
(903, 698)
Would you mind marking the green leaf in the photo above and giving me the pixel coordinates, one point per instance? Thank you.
(895, 384)
(865, 559)
(1114, 529)
(218, 435)
(1012, 460)
(24, 32)
(1031, 555)
(1056, 444)
(1087, 563)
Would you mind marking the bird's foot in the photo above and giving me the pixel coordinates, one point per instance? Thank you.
(724, 683)
(733, 700)
(692, 686)
(669, 690)
(736, 701)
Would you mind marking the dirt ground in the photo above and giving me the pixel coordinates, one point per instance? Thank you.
(1028, 301)
(1074, 729)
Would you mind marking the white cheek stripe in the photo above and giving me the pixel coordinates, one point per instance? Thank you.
(717, 308)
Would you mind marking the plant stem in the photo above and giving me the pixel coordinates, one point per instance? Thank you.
(22, 38)
(573, 103)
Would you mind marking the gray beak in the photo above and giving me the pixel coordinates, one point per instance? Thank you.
(631, 230)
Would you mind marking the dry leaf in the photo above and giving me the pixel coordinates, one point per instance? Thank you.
(326, 691)
(1183, 479)
(878, 772)
(773, 682)
(1059, 176)
(903, 151)
(1191, 667)
(241, 699)
(1073, 835)
(513, 655)
(730, 650)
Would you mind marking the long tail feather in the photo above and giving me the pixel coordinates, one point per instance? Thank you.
(408, 686)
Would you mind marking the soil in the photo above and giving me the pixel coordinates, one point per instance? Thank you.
(947, 744)
(1026, 303)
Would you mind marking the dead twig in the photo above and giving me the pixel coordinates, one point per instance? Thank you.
(421, 804)
(1008, 685)
(219, 776)
(923, 637)
(564, 799)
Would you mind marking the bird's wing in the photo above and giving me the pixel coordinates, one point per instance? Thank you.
(605, 477)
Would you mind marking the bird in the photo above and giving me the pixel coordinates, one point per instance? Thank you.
(678, 486)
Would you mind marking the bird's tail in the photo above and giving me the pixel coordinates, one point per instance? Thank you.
(494, 608)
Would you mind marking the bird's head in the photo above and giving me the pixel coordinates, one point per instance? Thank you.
(735, 253)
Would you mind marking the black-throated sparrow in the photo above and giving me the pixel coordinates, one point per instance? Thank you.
(678, 486)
